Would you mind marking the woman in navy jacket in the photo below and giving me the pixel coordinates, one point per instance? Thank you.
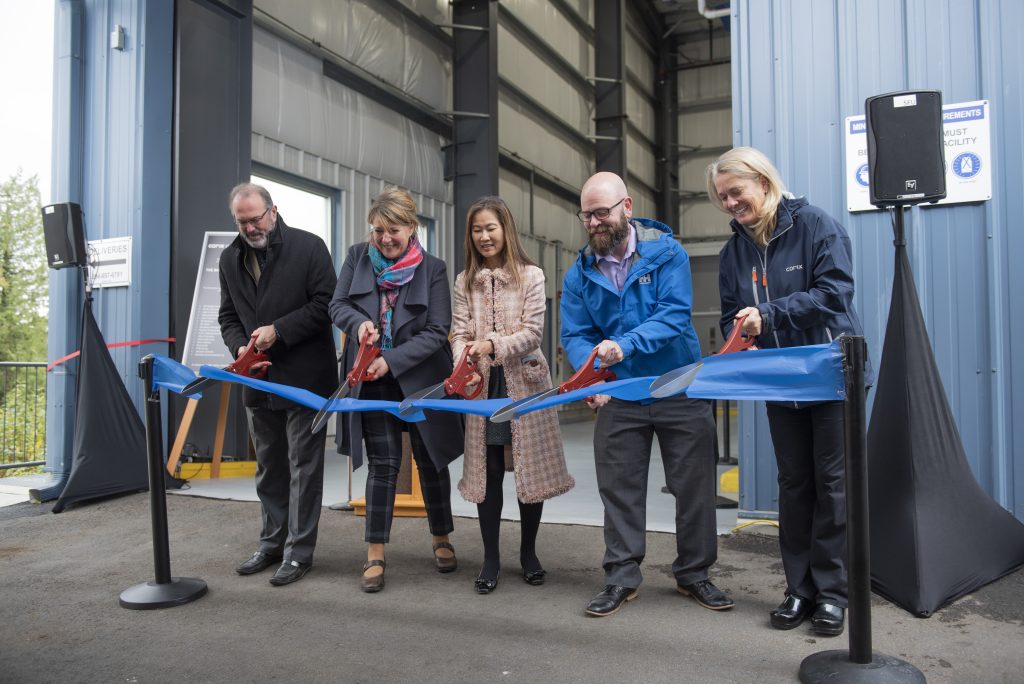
(787, 269)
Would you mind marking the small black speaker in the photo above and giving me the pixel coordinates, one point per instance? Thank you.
(64, 235)
(905, 152)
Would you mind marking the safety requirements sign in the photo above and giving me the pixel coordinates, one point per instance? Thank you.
(203, 343)
(966, 145)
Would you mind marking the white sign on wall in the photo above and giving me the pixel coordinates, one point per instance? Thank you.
(111, 262)
(966, 146)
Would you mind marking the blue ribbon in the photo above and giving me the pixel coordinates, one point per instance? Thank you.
(812, 373)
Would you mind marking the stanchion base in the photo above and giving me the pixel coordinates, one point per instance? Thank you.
(343, 506)
(150, 595)
(836, 666)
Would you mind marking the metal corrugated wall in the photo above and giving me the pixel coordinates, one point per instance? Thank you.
(799, 68)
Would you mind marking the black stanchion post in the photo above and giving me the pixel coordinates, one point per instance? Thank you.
(165, 591)
(859, 664)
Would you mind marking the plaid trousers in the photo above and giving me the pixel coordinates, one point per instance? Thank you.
(382, 434)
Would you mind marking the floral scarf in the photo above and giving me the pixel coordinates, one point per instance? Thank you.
(391, 275)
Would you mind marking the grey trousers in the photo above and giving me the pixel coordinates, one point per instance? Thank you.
(622, 452)
(289, 480)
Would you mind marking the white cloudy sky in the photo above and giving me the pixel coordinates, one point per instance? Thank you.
(26, 81)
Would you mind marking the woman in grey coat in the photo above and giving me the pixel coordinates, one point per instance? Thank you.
(393, 291)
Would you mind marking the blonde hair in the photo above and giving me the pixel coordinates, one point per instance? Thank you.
(512, 253)
(393, 207)
(750, 164)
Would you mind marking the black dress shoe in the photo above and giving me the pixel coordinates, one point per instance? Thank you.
(290, 571)
(828, 619)
(484, 585)
(610, 600)
(791, 612)
(257, 563)
(706, 594)
(534, 577)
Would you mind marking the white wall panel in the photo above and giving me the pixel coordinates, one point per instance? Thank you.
(293, 102)
(543, 148)
(707, 83)
(640, 110)
(374, 37)
(527, 70)
(545, 20)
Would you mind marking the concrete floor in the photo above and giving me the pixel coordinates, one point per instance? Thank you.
(62, 575)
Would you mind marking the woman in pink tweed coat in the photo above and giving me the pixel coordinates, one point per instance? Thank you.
(499, 304)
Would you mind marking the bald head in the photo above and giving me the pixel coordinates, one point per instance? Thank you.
(603, 185)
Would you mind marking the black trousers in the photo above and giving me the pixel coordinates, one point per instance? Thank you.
(289, 480)
(382, 434)
(623, 437)
(812, 499)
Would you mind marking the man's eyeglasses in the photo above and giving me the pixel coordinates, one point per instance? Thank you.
(254, 222)
(600, 213)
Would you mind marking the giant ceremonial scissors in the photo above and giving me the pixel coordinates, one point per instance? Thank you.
(368, 351)
(675, 381)
(586, 376)
(455, 384)
(246, 364)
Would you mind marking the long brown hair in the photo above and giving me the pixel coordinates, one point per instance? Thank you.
(749, 163)
(513, 255)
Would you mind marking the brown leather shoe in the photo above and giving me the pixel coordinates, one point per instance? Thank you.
(371, 585)
(445, 564)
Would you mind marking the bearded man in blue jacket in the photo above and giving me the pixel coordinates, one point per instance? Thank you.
(629, 294)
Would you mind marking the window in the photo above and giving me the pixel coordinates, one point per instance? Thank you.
(428, 234)
(302, 208)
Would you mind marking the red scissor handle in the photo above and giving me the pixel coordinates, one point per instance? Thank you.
(737, 342)
(464, 370)
(249, 357)
(368, 351)
(587, 375)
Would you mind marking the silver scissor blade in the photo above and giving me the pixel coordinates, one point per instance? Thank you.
(406, 408)
(507, 413)
(675, 381)
(196, 385)
(320, 419)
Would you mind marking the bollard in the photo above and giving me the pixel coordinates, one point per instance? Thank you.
(860, 664)
(165, 591)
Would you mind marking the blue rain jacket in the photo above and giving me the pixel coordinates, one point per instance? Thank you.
(649, 319)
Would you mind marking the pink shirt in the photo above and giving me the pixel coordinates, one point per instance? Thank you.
(615, 269)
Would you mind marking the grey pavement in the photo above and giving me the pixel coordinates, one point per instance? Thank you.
(61, 621)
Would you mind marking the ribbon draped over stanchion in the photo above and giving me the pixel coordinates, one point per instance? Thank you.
(165, 591)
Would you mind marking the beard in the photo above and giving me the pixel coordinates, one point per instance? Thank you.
(258, 239)
(607, 238)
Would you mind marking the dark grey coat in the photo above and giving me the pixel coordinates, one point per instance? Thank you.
(421, 356)
(292, 294)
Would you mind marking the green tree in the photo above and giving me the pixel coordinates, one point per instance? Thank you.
(23, 276)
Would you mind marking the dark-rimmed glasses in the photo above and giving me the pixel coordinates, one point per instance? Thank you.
(254, 222)
(601, 213)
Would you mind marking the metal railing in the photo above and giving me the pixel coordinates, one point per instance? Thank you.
(23, 421)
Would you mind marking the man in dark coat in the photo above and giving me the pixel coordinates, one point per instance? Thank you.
(275, 285)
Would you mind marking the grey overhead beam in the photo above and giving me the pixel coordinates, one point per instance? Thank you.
(610, 86)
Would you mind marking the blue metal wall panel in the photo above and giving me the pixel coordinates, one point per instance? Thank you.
(123, 154)
(799, 68)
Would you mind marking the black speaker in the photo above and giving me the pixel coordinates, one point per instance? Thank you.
(64, 234)
(905, 151)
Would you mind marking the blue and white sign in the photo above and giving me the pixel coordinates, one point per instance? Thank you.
(968, 153)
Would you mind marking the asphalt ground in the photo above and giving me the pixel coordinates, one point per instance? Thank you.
(60, 620)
